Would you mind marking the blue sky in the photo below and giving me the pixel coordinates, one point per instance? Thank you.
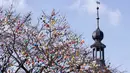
(81, 16)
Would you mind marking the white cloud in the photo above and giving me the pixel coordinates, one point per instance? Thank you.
(90, 5)
(114, 17)
(19, 5)
(75, 5)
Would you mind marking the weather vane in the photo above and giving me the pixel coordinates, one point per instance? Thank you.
(98, 3)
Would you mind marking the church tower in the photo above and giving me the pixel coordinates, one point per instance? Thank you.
(98, 46)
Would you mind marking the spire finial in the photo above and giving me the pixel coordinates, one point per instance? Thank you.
(98, 3)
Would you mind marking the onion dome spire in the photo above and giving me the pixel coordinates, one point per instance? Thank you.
(97, 34)
(98, 46)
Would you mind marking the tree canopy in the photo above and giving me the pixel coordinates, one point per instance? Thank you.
(48, 47)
